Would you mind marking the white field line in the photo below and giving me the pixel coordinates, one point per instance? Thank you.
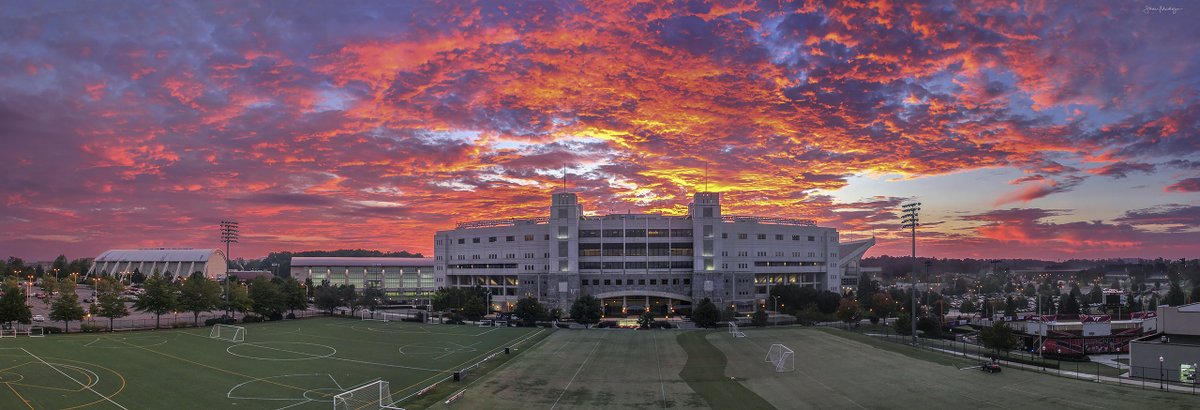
(581, 365)
(73, 379)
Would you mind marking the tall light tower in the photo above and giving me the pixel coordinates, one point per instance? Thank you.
(229, 234)
(909, 218)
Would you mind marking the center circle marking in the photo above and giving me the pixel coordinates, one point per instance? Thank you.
(283, 349)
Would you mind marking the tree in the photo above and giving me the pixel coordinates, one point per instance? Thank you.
(529, 310)
(904, 325)
(883, 305)
(930, 326)
(66, 308)
(295, 294)
(759, 318)
(1175, 296)
(327, 298)
(1010, 307)
(12, 303)
(199, 294)
(848, 311)
(1096, 295)
(49, 285)
(266, 299)
(586, 310)
(238, 298)
(109, 303)
(137, 277)
(158, 298)
(470, 302)
(998, 337)
(1070, 306)
(968, 306)
(705, 314)
(646, 321)
(349, 297)
(370, 298)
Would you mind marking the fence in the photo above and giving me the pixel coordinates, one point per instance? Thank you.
(166, 321)
(1158, 379)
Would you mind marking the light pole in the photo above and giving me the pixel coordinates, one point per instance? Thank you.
(229, 234)
(1161, 376)
(776, 309)
(909, 218)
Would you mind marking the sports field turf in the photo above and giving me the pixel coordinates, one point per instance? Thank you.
(296, 364)
(834, 369)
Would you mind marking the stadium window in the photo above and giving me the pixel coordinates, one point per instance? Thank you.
(812, 238)
(653, 281)
(529, 237)
(762, 236)
(595, 281)
(546, 238)
(618, 282)
(795, 237)
(491, 239)
(607, 282)
(724, 235)
(474, 240)
(742, 236)
(675, 281)
(687, 281)
(641, 281)
(779, 237)
(461, 241)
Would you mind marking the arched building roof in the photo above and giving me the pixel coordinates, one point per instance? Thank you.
(160, 255)
(177, 261)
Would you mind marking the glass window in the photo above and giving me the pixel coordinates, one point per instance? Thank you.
(492, 239)
(635, 233)
(562, 232)
(641, 281)
(653, 281)
(562, 213)
(742, 236)
(607, 282)
(461, 241)
(529, 237)
(708, 212)
(474, 240)
(562, 248)
(762, 236)
(589, 233)
(779, 237)
(510, 238)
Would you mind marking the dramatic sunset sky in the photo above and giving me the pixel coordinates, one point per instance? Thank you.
(1043, 130)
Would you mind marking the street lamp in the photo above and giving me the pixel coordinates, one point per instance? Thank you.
(1161, 376)
(229, 234)
(910, 220)
(776, 309)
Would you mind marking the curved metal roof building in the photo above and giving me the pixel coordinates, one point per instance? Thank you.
(177, 261)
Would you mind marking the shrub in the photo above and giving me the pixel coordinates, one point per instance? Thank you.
(252, 319)
(86, 328)
(51, 330)
(221, 320)
(290, 316)
(455, 318)
(760, 318)
(275, 316)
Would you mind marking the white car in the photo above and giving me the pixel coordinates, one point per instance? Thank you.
(39, 318)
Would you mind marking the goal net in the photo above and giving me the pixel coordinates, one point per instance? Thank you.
(381, 316)
(733, 330)
(228, 332)
(374, 395)
(783, 358)
(37, 331)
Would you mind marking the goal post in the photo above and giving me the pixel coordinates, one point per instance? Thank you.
(373, 395)
(734, 331)
(37, 331)
(228, 333)
(782, 357)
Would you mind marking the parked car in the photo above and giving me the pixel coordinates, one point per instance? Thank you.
(39, 318)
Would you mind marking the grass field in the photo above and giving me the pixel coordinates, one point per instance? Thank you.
(834, 369)
(298, 364)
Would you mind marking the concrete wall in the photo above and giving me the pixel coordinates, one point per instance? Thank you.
(1180, 320)
(1144, 354)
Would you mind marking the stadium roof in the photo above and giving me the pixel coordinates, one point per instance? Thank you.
(358, 261)
(158, 255)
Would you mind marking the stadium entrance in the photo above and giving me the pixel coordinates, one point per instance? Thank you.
(635, 304)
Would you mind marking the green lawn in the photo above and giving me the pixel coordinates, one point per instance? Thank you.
(297, 364)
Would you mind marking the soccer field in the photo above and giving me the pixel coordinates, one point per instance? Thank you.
(602, 368)
(295, 364)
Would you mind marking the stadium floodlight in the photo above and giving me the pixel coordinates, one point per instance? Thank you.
(910, 220)
(229, 234)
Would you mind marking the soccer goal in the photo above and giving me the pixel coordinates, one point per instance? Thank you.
(374, 395)
(733, 330)
(381, 316)
(8, 332)
(37, 331)
(782, 357)
(228, 332)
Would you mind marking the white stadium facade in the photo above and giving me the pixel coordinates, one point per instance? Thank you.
(637, 262)
(176, 261)
(407, 280)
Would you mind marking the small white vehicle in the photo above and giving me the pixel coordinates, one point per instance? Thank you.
(39, 318)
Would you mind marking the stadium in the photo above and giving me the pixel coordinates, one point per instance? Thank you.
(644, 262)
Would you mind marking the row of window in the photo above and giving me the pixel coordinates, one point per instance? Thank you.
(635, 233)
(485, 266)
(509, 238)
(637, 265)
(777, 253)
(619, 282)
(763, 236)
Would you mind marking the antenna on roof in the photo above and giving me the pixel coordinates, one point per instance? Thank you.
(564, 177)
(705, 177)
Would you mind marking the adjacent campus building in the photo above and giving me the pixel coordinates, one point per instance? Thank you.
(638, 262)
(1173, 353)
(173, 261)
(405, 280)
